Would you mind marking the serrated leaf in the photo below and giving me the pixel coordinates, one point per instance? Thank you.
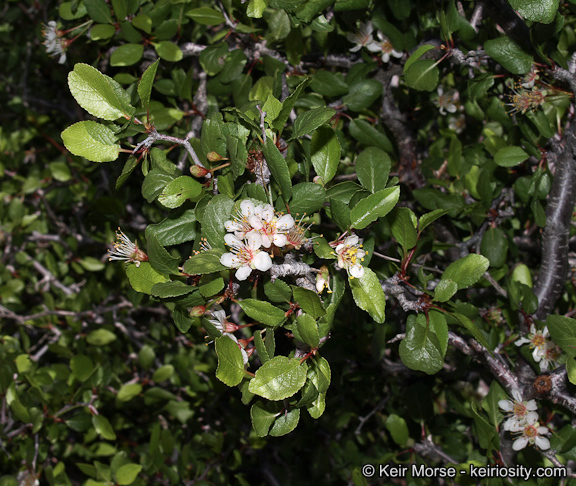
(402, 223)
(308, 330)
(154, 183)
(143, 277)
(543, 11)
(510, 156)
(509, 54)
(325, 153)
(285, 423)
(278, 291)
(445, 289)
(307, 197)
(279, 168)
(204, 262)
(178, 191)
(420, 350)
(373, 207)
(159, 258)
(288, 104)
(99, 94)
(146, 83)
(428, 218)
(372, 169)
(175, 229)
(263, 312)
(262, 418)
(217, 212)
(230, 369)
(310, 120)
(368, 295)
(563, 332)
(309, 302)
(166, 290)
(206, 16)
(466, 271)
(92, 141)
(279, 378)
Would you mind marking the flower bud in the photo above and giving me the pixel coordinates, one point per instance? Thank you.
(198, 171)
(214, 156)
(198, 311)
(318, 180)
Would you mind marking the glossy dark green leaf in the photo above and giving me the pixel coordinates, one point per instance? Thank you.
(206, 16)
(308, 330)
(204, 262)
(494, 246)
(310, 120)
(373, 207)
(510, 156)
(543, 11)
(178, 191)
(169, 51)
(159, 258)
(422, 75)
(563, 332)
(372, 168)
(217, 211)
(309, 302)
(368, 295)
(166, 290)
(368, 135)
(145, 85)
(279, 168)
(263, 311)
(362, 94)
(329, 84)
(127, 55)
(509, 54)
(307, 197)
(420, 350)
(99, 11)
(175, 229)
(466, 271)
(325, 153)
(403, 225)
(278, 291)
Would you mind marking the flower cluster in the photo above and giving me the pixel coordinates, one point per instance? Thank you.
(54, 42)
(364, 38)
(523, 421)
(254, 232)
(350, 256)
(545, 352)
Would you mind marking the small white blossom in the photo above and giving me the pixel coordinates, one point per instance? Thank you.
(520, 413)
(27, 478)
(246, 255)
(549, 356)
(241, 226)
(530, 434)
(350, 255)
(362, 38)
(53, 41)
(271, 228)
(539, 342)
(448, 102)
(125, 249)
(385, 47)
(457, 123)
(529, 80)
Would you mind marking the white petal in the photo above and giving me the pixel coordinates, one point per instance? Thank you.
(373, 47)
(512, 425)
(247, 207)
(517, 395)
(520, 443)
(232, 241)
(253, 240)
(397, 54)
(285, 222)
(255, 221)
(357, 271)
(229, 260)
(232, 226)
(244, 355)
(543, 430)
(262, 261)
(352, 240)
(506, 405)
(267, 213)
(531, 418)
(385, 57)
(543, 443)
(521, 341)
(531, 405)
(243, 272)
(280, 240)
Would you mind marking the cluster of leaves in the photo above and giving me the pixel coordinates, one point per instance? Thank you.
(264, 101)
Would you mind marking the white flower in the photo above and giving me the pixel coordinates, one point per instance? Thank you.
(520, 412)
(271, 228)
(246, 255)
(549, 356)
(448, 102)
(27, 478)
(295, 235)
(362, 38)
(531, 434)
(385, 47)
(241, 226)
(53, 41)
(124, 249)
(529, 80)
(457, 123)
(350, 255)
(537, 340)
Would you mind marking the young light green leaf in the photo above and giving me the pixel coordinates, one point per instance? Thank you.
(99, 94)
(143, 277)
(325, 153)
(103, 427)
(230, 369)
(178, 191)
(204, 262)
(126, 55)
(398, 429)
(310, 120)
(372, 169)
(127, 474)
(262, 418)
(145, 85)
(466, 271)
(169, 51)
(92, 141)
(263, 312)
(279, 168)
(279, 378)
(81, 367)
(445, 289)
(368, 295)
(128, 391)
(100, 337)
(373, 207)
(285, 423)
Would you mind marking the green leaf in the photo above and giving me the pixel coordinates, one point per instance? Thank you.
(310, 120)
(445, 289)
(204, 262)
(279, 378)
(102, 32)
(279, 168)
(308, 301)
(285, 423)
(362, 94)
(418, 53)
(403, 225)
(428, 218)
(466, 271)
(143, 22)
(262, 418)
(212, 59)
(510, 156)
(99, 11)
(571, 370)
(103, 427)
(398, 429)
(166, 290)
(159, 258)
(372, 169)
(263, 312)
(154, 183)
(129, 391)
(325, 153)
(169, 51)
(543, 11)
(329, 84)
(473, 328)
(369, 296)
(494, 246)
(230, 369)
(100, 337)
(308, 330)
(145, 85)
(422, 75)
(307, 198)
(509, 54)
(368, 135)
(563, 332)
(92, 141)
(211, 285)
(256, 8)
(163, 373)
(127, 473)
(420, 350)
(288, 105)
(143, 277)
(206, 16)
(127, 55)
(81, 366)
(373, 207)
(278, 291)
(99, 94)
(178, 191)
(175, 229)
(217, 212)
